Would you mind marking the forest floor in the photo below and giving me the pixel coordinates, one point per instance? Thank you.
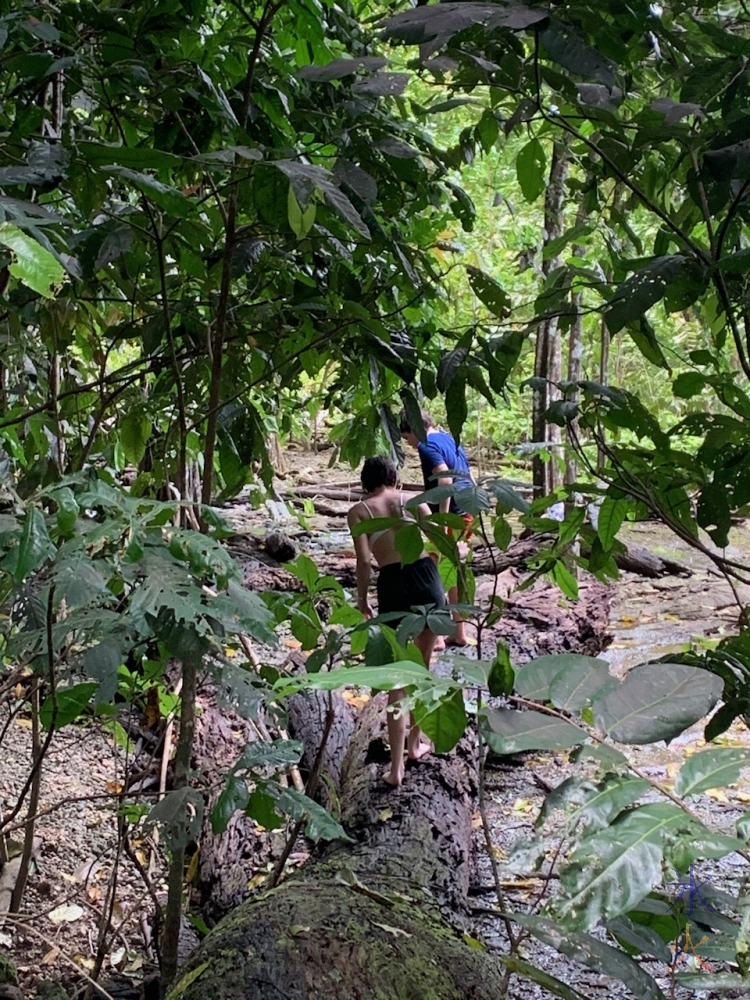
(80, 870)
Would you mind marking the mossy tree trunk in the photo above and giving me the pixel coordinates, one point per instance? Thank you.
(365, 919)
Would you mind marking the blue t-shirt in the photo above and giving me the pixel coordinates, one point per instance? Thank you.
(441, 449)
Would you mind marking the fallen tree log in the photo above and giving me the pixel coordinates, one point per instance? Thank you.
(365, 919)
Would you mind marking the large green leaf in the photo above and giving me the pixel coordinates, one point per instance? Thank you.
(656, 701)
(135, 430)
(179, 817)
(33, 548)
(489, 291)
(320, 824)
(642, 290)
(280, 753)
(402, 673)
(528, 971)
(67, 704)
(571, 52)
(531, 164)
(165, 197)
(593, 804)
(575, 685)
(534, 679)
(594, 954)
(711, 768)
(444, 721)
(612, 870)
(508, 731)
(31, 264)
(611, 515)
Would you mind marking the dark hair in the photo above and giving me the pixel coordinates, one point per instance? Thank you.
(405, 427)
(378, 471)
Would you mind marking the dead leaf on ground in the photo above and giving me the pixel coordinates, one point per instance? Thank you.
(66, 914)
(24, 723)
(85, 963)
(114, 787)
(51, 957)
(354, 699)
(395, 931)
(717, 794)
(385, 814)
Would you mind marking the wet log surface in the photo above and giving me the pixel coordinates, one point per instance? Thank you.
(365, 919)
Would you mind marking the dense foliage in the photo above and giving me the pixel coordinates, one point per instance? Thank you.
(218, 219)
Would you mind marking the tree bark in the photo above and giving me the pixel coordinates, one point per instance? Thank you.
(548, 360)
(364, 920)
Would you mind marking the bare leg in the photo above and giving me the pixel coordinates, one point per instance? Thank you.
(415, 747)
(396, 734)
(459, 639)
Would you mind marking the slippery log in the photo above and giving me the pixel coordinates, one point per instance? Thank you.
(365, 919)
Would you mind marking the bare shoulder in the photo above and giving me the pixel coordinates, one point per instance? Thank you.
(355, 515)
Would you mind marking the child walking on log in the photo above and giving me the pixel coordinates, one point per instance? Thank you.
(399, 588)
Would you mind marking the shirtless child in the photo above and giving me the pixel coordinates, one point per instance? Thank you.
(399, 589)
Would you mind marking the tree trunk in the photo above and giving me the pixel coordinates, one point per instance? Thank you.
(548, 360)
(363, 920)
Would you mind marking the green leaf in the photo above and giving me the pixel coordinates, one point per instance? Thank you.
(402, 673)
(71, 702)
(320, 824)
(135, 430)
(489, 291)
(501, 677)
(280, 753)
(67, 509)
(641, 290)
(611, 871)
(528, 971)
(409, 543)
(595, 804)
(644, 337)
(262, 808)
(711, 768)
(167, 198)
(573, 54)
(179, 817)
(577, 684)
(301, 220)
(531, 164)
(508, 731)
(234, 795)
(502, 533)
(443, 722)
(656, 701)
(689, 384)
(611, 515)
(79, 582)
(600, 752)
(534, 679)
(592, 953)
(564, 580)
(34, 546)
(31, 264)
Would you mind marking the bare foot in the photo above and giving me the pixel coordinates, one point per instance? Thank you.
(439, 645)
(392, 778)
(416, 753)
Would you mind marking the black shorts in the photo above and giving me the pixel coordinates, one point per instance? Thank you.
(400, 588)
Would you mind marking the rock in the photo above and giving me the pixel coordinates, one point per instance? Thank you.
(281, 547)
